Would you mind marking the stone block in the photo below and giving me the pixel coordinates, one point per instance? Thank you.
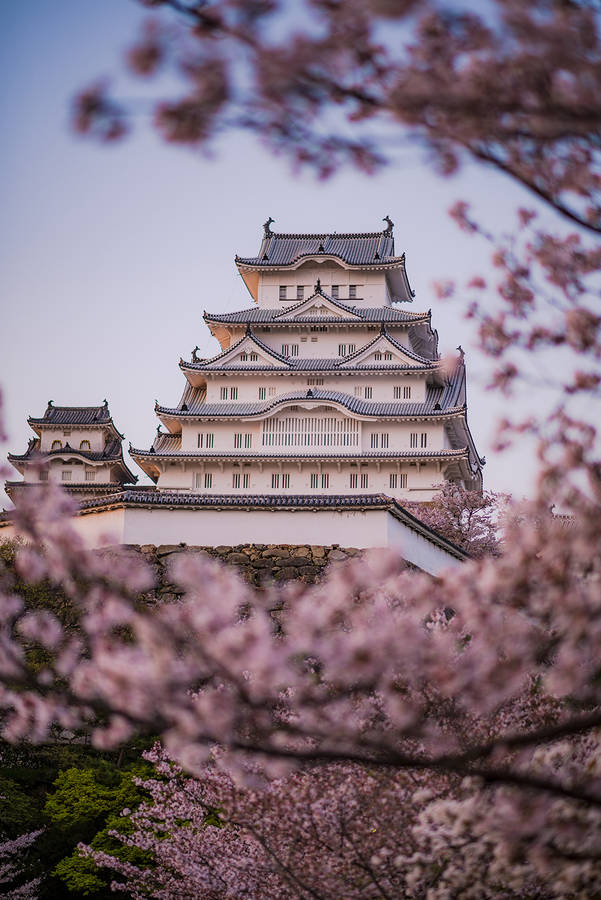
(239, 559)
(286, 573)
(276, 551)
(337, 554)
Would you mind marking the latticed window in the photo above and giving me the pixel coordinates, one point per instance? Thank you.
(424, 439)
(353, 479)
(393, 480)
(253, 357)
(413, 439)
(234, 393)
(205, 440)
(208, 480)
(243, 357)
(335, 291)
(407, 393)
(403, 479)
(397, 392)
(310, 431)
(246, 480)
(90, 475)
(283, 292)
(325, 480)
(223, 393)
(314, 381)
(364, 480)
(377, 356)
(262, 393)
(242, 440)
(352, 290)
(286, 480)
(388, 356)
(300, 291)
(315, 480)
(275, 480)
(236, 480)
(44, 475)
(66, 475)
(369, 392)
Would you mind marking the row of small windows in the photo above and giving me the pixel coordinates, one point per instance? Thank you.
(231, 392)
(249, 357)
(290, 432)
(278, 479)
(346, 349)
(399, 392)
(300, 291)
(282, 480)
(387, 356)
(83, 445)
(67, 475)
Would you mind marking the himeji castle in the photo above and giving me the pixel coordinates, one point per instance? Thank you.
(326, 385)
(325, 411)
(77, 446)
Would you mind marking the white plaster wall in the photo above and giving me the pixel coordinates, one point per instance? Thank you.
(420, 480)
(371, 285)
(399, 433)
(211, 527)
(73, 436)
(417, 549)
(56, 467)
(102, 529)
(99, 530)
(382, 385)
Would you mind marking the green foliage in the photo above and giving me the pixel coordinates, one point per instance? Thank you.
(76, 793)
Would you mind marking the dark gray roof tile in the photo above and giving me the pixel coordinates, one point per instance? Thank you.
(368, 248)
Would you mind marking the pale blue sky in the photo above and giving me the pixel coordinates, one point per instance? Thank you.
(108, 255)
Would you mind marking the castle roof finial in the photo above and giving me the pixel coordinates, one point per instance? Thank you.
(317, 287)
(267, 227)
(389, 225)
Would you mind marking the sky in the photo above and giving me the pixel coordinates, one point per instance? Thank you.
(110, 254)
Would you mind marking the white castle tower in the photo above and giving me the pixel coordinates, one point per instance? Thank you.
(78, 447)
(324, 387)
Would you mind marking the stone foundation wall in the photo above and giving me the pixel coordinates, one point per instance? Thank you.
(258, 564)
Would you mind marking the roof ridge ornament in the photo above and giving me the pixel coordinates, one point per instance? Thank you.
(317, 287)
(267, 227)
(461, 352)
(389, 225)
(194, 356)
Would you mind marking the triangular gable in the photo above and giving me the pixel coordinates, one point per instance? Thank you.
(248, 345)
(384, 344)
(318, 305)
